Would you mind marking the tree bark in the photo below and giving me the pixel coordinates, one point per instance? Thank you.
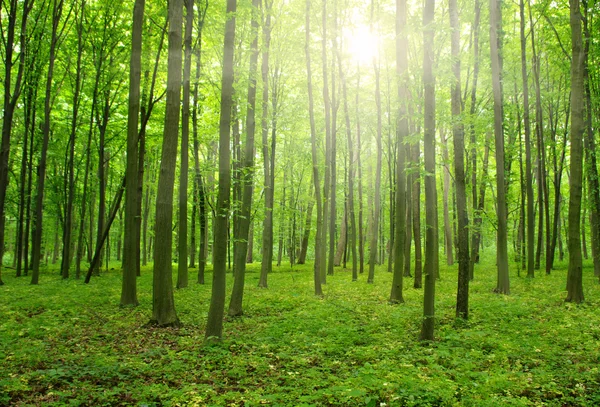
(214, 325)
(182, 264)
(247, 178)
(70, 191)
(163, 304)
(427, 328)
(458, 131)
(57, 8)
(574, 278)
(131, 254)
(472, 112)
(401, 134)
(268, 158)
(373, 239)
(448, 243)
(530, 219)
(315, 162)
(503, 284)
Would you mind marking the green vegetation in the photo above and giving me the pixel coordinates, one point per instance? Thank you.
(63, 343)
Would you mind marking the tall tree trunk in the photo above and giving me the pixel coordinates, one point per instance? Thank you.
(267, 236)
(131, 254)
(214, 325)
(590, 149)
(247, 177)
(503, 284)
(328, 133)
(458, 131)
(57, 8)
(332, 157)
(473, 134)
(12, 91)
(199, 195)
(431, 223)
(163, 304)
(409, 212)
(182, 265)
(558, 170)
(373, 239)
(315, 162)
(351, 237)
(528, 171)
(416, 215)
(102, 123)
(361, 237)
(401, 134)
(574, 278)
(68, 217)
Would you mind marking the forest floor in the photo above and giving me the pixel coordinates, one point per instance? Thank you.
(65, 343)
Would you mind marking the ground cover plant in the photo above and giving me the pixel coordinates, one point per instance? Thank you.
(63, 343)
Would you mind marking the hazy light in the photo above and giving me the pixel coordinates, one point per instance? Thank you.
(361, 44)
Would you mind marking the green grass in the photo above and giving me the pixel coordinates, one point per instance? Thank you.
(65, 343)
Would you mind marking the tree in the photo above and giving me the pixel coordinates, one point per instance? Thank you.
(528, 171)
(377, 191)
(401, 134)
(163, 303)
(268, 158)
(315, 163)
(503, 285)
(214, 325)
(574, 277)
(431, 223)
(182, 265)
(57, 9)
(247, 178)
(12, 91)
(131, 254)
(458, 131)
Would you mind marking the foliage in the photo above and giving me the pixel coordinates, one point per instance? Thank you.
(63, 343)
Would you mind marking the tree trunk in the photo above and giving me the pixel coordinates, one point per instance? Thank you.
(503, 284)
(401, 134)
(427, 327)
(473, 133)
(68, 216)
(199, 195)
(57, 7)
(373, 239)
(214, 325)
(307, 227)
(163, 304)
(448, 244)
(247, 178)
(267, 236)
(131, 254)
(574, 278)
(590, 150)
(528, 171)
(182, 264)
(409, 211)
(458, 131)
(315, 162)
(333, 152)
(328, 132)
(12, 91)
(341, 243)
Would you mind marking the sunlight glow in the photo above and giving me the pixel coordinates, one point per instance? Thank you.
(362, 45)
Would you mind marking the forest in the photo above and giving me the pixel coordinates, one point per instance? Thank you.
(300, 202)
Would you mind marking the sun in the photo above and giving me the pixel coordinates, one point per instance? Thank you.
(361, 44)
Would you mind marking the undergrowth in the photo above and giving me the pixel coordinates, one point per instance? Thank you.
(66, 343)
